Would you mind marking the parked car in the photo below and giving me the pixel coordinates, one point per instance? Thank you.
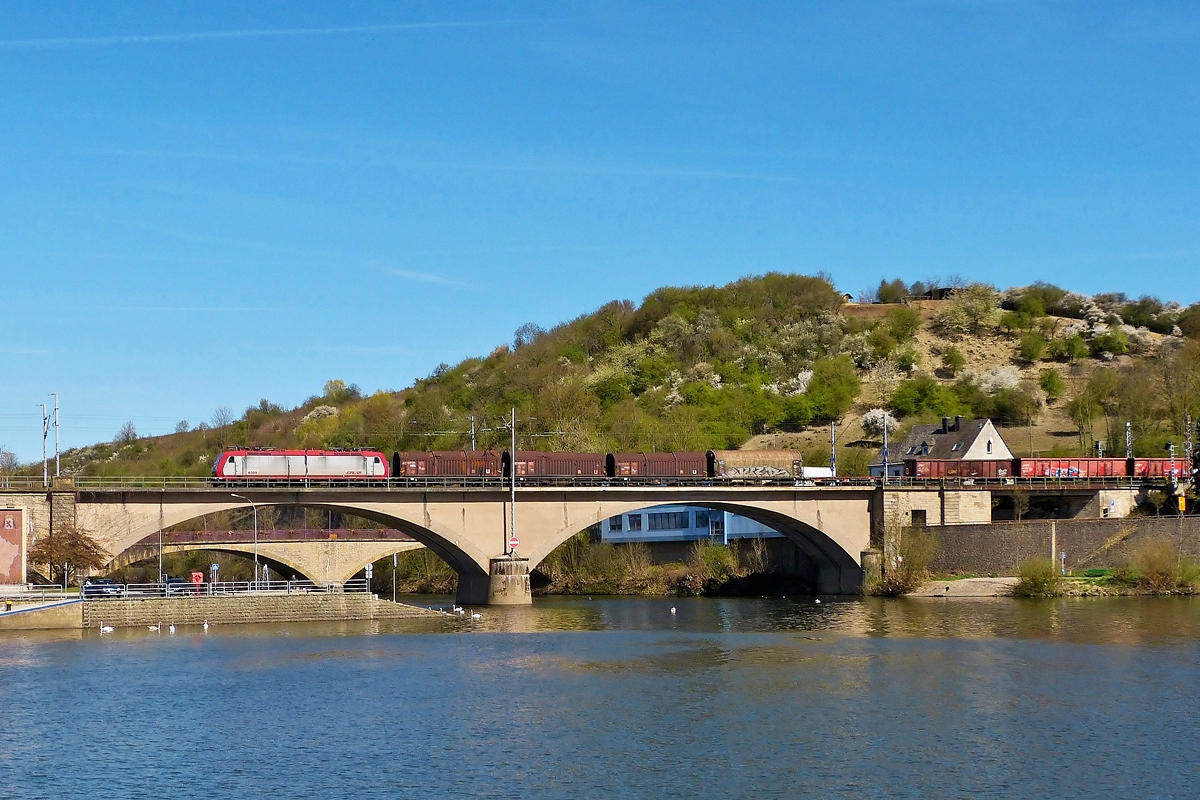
(178, 586)
(102, 587)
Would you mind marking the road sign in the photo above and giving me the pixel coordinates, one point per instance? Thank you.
(513, 541)
(370, 570)
(216, 567)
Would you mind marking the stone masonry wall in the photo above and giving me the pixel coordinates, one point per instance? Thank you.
(1000, 546)
(245, 609)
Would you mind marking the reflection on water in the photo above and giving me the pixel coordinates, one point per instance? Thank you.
(620, 697)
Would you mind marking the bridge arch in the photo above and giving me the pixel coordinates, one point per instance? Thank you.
(835, 569)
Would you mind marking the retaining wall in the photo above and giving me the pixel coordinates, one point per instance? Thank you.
(244, 609)
(1000, 546)
(63, 615)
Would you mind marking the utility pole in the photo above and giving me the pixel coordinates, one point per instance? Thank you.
(472, 432)
(57, 459)
(45, 436)
(833, 448)
(885, 449)
(1129, 440)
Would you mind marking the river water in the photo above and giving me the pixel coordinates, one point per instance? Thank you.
(622, 698)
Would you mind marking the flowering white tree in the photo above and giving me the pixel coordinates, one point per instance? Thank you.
(874, 421)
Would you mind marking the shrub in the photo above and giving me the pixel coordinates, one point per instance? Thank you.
(1069, 348)
(1038, 578)
(1114, 342)
(1032, 347)
(1051, 382)
(907, 567)
(924, 396)
(1155, 565)
(902, 323)
(714, 561)
(873, 422)
(891, 291)
(953, 360)
(833, 387)
(968, 309)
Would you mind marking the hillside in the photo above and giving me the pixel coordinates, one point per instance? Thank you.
(764, 361)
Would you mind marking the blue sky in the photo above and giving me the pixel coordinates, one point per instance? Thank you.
(206, 204)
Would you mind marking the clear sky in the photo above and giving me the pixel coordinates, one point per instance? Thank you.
(204, 204)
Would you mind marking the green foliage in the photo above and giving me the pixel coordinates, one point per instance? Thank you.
(924, 397)
(1068, 348)
(1013, 407)
(833, 387)
(1051, 382)
(953, 360)
(1149, 312)
(1114, 342)
(1156, 566)
(906, 562)
(1032, 347)
(1038, 577)
(906, 359)
(1012, 321)
(893, 291)
(969, 309)
(1189, 321)
(902, 323)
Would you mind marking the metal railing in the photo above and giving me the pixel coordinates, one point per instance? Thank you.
(30, 593)
(132, 591)
(127, 483)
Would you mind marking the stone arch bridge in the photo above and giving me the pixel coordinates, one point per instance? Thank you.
(469, 527)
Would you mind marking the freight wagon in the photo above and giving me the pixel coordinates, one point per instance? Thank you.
(752, 464)
(957, 468)
(1070, 467)
(533, 463)
(656, 465)
(447, 464)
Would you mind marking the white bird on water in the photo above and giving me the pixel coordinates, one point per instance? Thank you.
(106, 628)
(154, 627)
(206, 626)
(672, 611)
(171, 628)
(818, 601)
(476, 615)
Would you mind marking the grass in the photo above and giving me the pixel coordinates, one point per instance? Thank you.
(1157, 567)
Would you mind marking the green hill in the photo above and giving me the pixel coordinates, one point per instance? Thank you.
(774, 356)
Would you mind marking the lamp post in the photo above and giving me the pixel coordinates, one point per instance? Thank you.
(253, 506)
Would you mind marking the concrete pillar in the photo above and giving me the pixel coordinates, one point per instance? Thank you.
(509, 583)
(872, 566)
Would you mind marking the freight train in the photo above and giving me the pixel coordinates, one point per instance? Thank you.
(370, 466)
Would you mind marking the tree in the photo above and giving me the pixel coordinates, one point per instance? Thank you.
(181, 426)
(127, 435)
(66, 551)
(526, 334)
(1020, 498)
(902, 323)
(891, 291)
(223, 417)
(8, 461)
(953, 360)
(1032, 347)
(875, 420)
(969, 309)
(1051, 382)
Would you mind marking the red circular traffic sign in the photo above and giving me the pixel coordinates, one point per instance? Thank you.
(513, 541)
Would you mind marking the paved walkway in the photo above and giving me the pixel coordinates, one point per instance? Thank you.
(967, 587)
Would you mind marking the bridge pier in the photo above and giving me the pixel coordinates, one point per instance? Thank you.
(509, 582)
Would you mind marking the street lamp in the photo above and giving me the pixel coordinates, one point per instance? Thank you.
(254, 506)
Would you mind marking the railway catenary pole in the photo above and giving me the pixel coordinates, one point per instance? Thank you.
(57, 458)
(833, 448)
(45, 435)
(512, 482)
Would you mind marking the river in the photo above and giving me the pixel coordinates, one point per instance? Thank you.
(618, 697)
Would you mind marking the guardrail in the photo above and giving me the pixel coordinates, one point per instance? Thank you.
(130, 591)
(127, 483)
(42, 594)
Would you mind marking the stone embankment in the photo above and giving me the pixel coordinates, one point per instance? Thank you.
(246, 609)
(967, 587)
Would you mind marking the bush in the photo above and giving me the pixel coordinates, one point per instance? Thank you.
(908, 566)
(1038, 578)
(1051, 382)
(714, 561)
(953, 360)
(902, 323)
(1155, 565)
(891, 291)
(1032, 347)
(1069, 348)
(1114, 342)
(924, 396)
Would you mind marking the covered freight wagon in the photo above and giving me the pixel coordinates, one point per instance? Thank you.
(446, 464)
(751, 464)
(534, 463)
(657, 465)
(955, 468)
(1070, 467)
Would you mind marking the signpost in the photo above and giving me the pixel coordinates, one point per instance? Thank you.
(370, 572)
(513, 541)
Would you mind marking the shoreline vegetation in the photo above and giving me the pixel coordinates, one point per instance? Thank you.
(1154, 567)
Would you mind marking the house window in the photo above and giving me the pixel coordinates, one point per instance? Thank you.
(702, 519)
(957, 446)
(614, 524)
(919, 517)
(989, 446)
(635, 522)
